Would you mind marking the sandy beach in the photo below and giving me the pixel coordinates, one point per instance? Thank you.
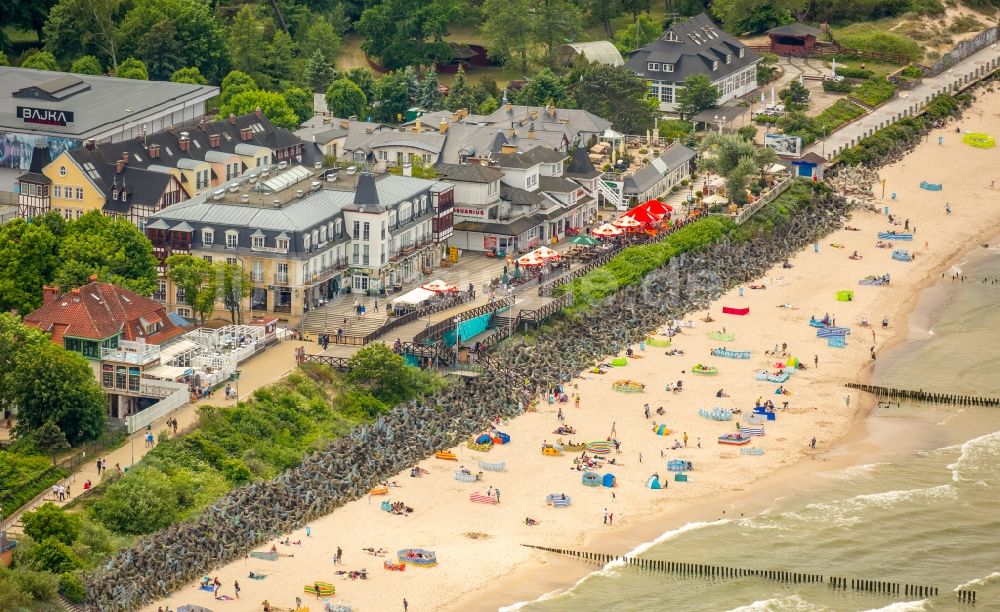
(481, 563)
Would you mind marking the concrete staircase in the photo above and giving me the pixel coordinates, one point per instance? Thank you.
(328, 318)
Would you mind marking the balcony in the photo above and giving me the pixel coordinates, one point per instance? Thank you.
(281, 279)
(327, 273)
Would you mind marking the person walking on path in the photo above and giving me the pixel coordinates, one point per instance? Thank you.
(816, 361)
(340, 555)
(605, 516)
(406, 605)
(497, 493)
(236, 587)
(375, 306)
(812, 443)
(685, 439)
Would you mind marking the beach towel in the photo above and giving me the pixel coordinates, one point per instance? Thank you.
(224, 598)
(479, 498)
(267, 556)
(828, 332)
(206, 587)
(257, 577)
(736, 311)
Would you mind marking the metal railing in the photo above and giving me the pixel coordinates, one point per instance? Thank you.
(750, 209)
(438, 330)
(338, 363)
(537, 315)
(412, 316)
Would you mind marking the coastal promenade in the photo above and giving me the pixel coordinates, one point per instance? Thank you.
(910, 103)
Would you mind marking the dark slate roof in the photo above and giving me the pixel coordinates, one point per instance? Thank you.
(580, 165)
(39, 159)
(544, 155)
(468, 173)
(365, 194)
(699, 43)
(517, 160)
(795, 29)
(556, 184)
(514, 228)
(521, 197)
(649, 174)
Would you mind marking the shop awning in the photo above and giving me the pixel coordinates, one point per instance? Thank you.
(414, 296)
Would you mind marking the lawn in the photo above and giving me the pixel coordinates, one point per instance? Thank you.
(22, 477)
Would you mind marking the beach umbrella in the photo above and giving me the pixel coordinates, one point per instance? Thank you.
(763, 100)
(715, 199)
(661, 430)
(530, 260)
(624, 222)
(642, 215)
(607, 231)
(657, 207)
(439, 286)
(545, 252)
(600, 447)
(583, 240)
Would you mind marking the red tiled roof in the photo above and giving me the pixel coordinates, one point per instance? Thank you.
(100, 310)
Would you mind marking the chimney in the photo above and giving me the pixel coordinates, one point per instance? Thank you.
(154, 151)
(418, 125)
(120, 166)
(213, 140)
(89, 145)
(508, 148)
(407, 169)
(369, 129)
(443, 126)
(456, 116)
(551, 108)
(92, 278)
(184, 142)
(531, 130)
(125, 156)
(345, 124)
(50, 293)
(245, 134)
(76, 294)
(232, 119)
(171, 128)
(201, 124)
(510, 130)
(507, 108)
(534, 114)
(258, 113)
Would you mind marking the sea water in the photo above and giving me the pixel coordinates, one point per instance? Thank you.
(923, 509)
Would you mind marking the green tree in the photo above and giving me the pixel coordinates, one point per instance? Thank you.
(391, 99)
(363, 78)
(274, 106)
(53, 556)
(758, 15)
(345, 99)
(88, 64)
(80, 27)
(15, 338)
(53, 384)
(321, 36)
(195, 276)
(161, 51)
(460, 93)
(602, 11)
(244, 41)
(618, 95)
(41, 60)
(508, 30)
(383, 373)
(412, 83)
(199, 35)
(235, 82)
(795, 95)
(143, 502)
(190, 75)
(234, 286)
(488, 106)
(697, 95)
(112, 248)
(301, 103)
(557, 22)
(639, 33)
(404, 32)
(51, 521)
(132, 68)
(430, 97)
(50, 440)
(541, 89)
(25, 14)
(28, 260)
(319, 72)
(732, 157)
(283, 67)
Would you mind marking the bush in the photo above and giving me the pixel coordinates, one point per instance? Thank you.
(875, 91)
(675, 128)
(23, 476)
(868, 37)
(766, 119)
(142, 502)
(854, 72)
(38, 586)
(72, 588)
(911, 73)
(51, 555)
(835, 116)
(843, 86)
(51, 521)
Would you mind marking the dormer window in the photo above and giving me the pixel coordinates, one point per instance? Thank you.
(729, 58)
(741, 52)
(671, 37)
(668, 67)
(715, 65)
(207, 237)
(653, 66)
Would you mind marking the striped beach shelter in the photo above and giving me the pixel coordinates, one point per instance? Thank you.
(600, 447)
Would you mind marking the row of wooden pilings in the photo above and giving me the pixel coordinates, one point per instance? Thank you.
(718, 571)
(925, 396)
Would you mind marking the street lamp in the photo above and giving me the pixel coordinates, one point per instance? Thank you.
(510, 313)
(235, 377)
(458, 337)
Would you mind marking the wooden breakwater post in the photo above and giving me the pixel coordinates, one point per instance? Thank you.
(920, 395)
(966, 596)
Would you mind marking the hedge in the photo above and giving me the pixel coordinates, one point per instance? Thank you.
(875, 91)
(22, 477)
(843, 86)
(836, 115)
